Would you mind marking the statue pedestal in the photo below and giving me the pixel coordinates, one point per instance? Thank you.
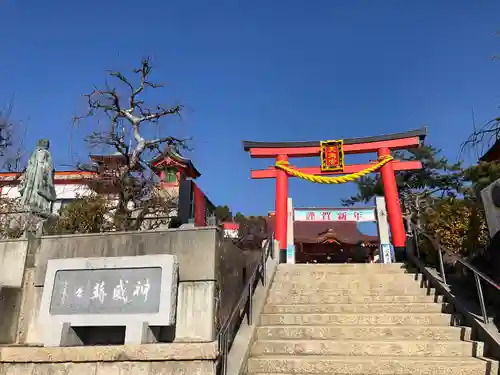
(35, 223)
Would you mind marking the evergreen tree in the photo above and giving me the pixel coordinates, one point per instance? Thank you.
(223, 213)
(438, 177)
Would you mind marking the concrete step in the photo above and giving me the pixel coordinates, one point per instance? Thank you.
(318, 298)
(321, 270)
(332, 272)
(351, 283)
(368, 348)
(334, 276)
(299, 364)
(367, 271)
(363, 332)
(426, 319)
(419, 307)
(362, 290)
(340, 273)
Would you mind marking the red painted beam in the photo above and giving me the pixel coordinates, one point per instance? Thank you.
(359, 148)
(348, 169)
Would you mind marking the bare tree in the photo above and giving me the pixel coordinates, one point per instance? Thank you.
(11, 142)
(129, 121)
(482, 138)
(12, 159)
(251, 232)
(5, 129)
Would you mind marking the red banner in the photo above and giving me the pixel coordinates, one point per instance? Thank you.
(332, 156)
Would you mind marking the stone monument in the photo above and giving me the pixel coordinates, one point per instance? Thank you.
(82, 296)
(490, 197)
(37, 188)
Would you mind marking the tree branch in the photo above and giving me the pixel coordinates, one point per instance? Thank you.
(482, 137)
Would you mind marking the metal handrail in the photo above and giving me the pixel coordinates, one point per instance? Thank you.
(242, 308)
(478, 275)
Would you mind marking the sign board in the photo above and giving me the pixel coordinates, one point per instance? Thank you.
(290, 239)
(490, 196)
(387, 253)
(382, 223)
(332, 156)
(357, 215)
(290, 254)
(106, 291)
(136, 292)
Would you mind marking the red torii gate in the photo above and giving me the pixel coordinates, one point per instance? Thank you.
(382, 145)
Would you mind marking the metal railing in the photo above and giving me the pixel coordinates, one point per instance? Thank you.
(479, 276)
(242, 308)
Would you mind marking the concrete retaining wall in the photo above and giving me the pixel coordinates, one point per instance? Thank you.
(210, 275)
(195, 249)
(12, 261)
(12, 265)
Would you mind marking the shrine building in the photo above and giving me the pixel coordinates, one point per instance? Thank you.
(329, 240)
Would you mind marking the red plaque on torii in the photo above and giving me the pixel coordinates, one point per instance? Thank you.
(332, 156)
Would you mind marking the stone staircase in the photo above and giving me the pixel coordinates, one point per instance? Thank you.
(360, 319)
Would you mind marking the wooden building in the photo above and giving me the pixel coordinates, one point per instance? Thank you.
(330, 242)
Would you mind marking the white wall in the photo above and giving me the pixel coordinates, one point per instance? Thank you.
(63, 193)
(72, 191)
(69, 191)
(231, 233)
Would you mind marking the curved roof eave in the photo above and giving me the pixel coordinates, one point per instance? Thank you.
(169, 151)
(176, 156)
(421, 133)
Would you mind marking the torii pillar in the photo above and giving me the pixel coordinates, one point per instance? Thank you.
(281, 204)
(393, 205)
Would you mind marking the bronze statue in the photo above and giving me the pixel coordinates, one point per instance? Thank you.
(37, 185)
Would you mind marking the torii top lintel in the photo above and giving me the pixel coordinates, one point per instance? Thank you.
(395, 141)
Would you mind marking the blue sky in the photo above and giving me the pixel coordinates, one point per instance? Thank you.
(259, 70)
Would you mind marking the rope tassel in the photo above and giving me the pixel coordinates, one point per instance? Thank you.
(283, 165)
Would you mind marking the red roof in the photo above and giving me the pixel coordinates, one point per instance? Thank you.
(230, 225)
(171, 155)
